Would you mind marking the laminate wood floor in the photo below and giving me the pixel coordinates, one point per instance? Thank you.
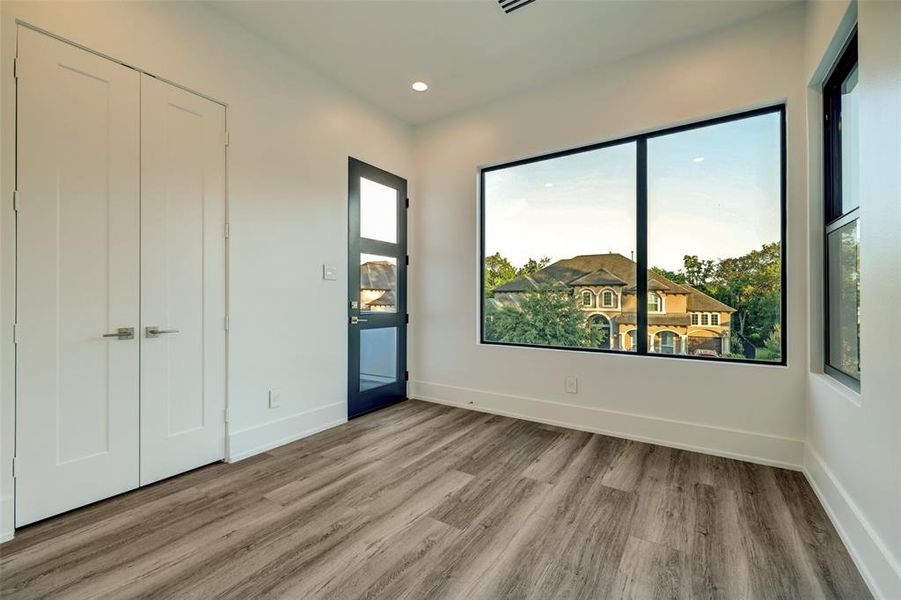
(422, 501)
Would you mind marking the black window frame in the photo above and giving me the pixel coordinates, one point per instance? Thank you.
(641, 258)
(833, 216)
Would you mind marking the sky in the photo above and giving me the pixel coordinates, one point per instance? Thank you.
(712, 191)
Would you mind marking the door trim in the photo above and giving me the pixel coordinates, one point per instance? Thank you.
(27, 25)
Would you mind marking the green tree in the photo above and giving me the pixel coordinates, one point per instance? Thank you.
(774, 342)
(697, 271)
(752, 285)
(547, 318)
(533, 265)
(671, 275)
(498, 271)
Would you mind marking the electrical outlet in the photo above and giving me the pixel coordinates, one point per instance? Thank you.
(572, 384)
(275, 398)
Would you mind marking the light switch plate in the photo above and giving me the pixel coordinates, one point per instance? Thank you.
(329, 272)
(275, 398)
(572, 384)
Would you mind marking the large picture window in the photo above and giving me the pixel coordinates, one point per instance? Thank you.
(676, 237)
(842, 232)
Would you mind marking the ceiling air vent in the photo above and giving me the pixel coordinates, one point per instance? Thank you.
(510, 5)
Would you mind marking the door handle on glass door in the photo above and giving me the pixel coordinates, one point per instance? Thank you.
(153, 331)
(357, 320)
(123, 333)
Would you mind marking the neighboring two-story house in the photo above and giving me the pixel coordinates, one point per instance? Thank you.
(378, 282)
(681, 319)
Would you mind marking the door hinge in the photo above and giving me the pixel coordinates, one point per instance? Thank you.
(225, 415)
(226, 322)
(15, 466)
(228, 230)
(17, 333)
(408, 202)
(16, 200)
(408, 260)
(17, 68)
(406, 376)
(227, 137)
(407, 320)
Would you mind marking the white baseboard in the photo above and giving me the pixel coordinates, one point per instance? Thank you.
(260, 438)
(870, 553)
(7, 529)
(749, 446)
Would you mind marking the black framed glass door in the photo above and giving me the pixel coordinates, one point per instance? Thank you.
(377, 288)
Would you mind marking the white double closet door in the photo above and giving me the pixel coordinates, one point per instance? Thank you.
(120, 228)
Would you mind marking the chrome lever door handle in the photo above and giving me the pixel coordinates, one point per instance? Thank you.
(153, 331)
(123, 333)
(357, 320)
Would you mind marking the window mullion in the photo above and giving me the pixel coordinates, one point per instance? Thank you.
(641, 241)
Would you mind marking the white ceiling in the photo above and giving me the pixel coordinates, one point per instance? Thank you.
(469, 51)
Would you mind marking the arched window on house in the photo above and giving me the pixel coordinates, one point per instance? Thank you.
(632, 340)
(602, 324)
(655, 302)
(587, 298)
(665, 342)
(607, 299)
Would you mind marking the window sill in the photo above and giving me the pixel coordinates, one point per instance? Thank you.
(658, 355)
(849, 394)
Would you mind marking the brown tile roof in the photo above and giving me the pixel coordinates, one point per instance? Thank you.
(606, 269)
(600, 277)
(378, 275)
(698, 301)
(386, 299)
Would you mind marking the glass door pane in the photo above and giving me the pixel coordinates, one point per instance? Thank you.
(378, 283)
(378, 210)
(378, 357)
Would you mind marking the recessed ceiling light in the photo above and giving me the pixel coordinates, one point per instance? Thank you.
(420, 86)
(548, 185)
(699, 159)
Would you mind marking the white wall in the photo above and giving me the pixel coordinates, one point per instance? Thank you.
(854, 440)
(714, 407)
(291, 134)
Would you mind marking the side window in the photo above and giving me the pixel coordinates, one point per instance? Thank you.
(608, 298)
(841, 219)
(586, 298)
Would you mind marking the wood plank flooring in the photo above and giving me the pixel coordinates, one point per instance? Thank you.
(422, 501)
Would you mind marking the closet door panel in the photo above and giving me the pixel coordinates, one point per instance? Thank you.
(182, 280)
(78, 265)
